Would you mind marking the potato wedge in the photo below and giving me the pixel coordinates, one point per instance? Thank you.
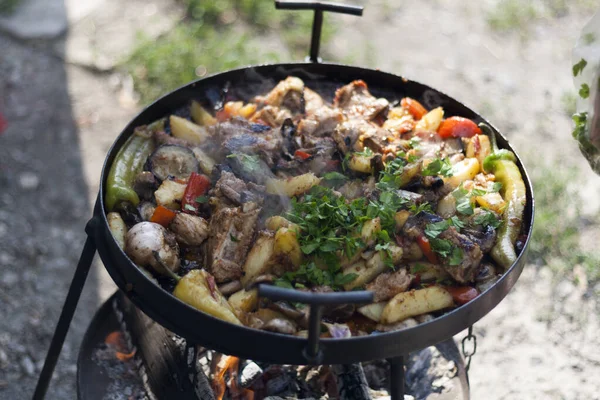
(369, 270)
(205, 161)
(292, 186)
(479, 147)
(373, 311)
(187, 130)
(169, 194)
(462, 171)
(369, 231)
(194, 289)
(416, 302)
(276, 221)
(244, 300)
(286, 249)
(360, 163)
(446, 207)
(201, 116)
(427, 271)
(431, 121)
(401, 217)
(492, 201)
(259, 258)
(117, 228)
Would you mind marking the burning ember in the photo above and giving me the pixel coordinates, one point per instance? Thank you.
(229, 365)
(116, 341)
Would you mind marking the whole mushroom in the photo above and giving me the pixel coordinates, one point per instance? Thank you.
(150, 244)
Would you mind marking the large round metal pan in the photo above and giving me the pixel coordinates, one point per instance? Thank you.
(245, 342)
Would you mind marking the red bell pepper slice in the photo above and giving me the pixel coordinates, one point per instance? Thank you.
(198, 185)
(462, 294)
(415, 108)
(163, 216)
(425, 246)
(458, 127)
(301, 155)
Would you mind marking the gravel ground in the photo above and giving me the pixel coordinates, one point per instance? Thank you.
(541, 342)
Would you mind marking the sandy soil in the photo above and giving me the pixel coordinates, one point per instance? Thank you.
(540, 343)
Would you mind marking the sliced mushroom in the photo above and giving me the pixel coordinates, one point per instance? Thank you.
(145, 240)
(173, 160)
(230, 287)
(280, 325)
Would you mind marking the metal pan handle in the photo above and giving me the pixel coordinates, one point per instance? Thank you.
(312, 352)
(319, 7)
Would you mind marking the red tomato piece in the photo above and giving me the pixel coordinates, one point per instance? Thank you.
(197, 186)
(462, 294)
(301, 155)
(425, 246)
(415, 108)
(458, 127)
(163, 216)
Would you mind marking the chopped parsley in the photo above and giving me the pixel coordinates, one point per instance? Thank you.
(441, 246)
(487, 218)
(190, 207)
(392, 177)
(438, 167)
(416, 268)
(335, 178)
(233, 238)
(202, 199)
(250, 163)
(366, 152)
(577, 68)
(433, 230)
(418, 208)
(456, 256)
(463, 201)
(414, 142)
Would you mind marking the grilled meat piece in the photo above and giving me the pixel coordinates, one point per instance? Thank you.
(356, 101)
(472, 255)
(145, 184)
(231, 234)
(161, 138)
(389, 284)
(288, 93)
(321, 122)
(238, 191)
(348, 133)
(272, 116)
(312, 101)
(189, 230)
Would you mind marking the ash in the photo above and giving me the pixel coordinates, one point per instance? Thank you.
(125, 379)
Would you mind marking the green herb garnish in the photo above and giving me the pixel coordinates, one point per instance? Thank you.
(438, 167)
(577, 68)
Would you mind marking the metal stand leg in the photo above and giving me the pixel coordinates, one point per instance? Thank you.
(66, 316)
(396, 378)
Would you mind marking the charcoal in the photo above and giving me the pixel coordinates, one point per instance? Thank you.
(278, 384)
(250, 372)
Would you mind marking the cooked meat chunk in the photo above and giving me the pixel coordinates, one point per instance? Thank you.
(485, 237)
(389, 284)
(357, 102)
(321, 122)
(271, 116)
(348, 133)
(231, 234)
(236, 190)
(288, 93)
(312, 101)
(415, 224)
(161, 138)
(472, 255)
(190, 230)
(145, 184)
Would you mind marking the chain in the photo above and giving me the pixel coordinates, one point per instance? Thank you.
(468, 349)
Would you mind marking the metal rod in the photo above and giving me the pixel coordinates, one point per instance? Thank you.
(397, 378)
(315, 41)
(314, 332)
(279, 293)
(319, 5)
(66, 316)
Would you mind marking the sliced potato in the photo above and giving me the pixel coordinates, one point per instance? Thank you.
(259, 258)
(205, 161)
(201, 116)
(247, 111)
(276, 221)
(492, 201)
(244, 300)
(462, 171)
(369, 270)
(373, 311)
(369, 230)
(401, 217)
(294, 186)
(117, 228)
(187, 130)
(479, 147)
(286, 248)
(446, 207)
(169, 194)
(427, 271)
(267, 314)
(194, 289)
(431, 121)
(360, 163)
(416, 302)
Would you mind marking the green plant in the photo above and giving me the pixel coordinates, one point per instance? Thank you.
(216, 35)
(568, 101)
(8, 6)
(509, 15)
(556, 234)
